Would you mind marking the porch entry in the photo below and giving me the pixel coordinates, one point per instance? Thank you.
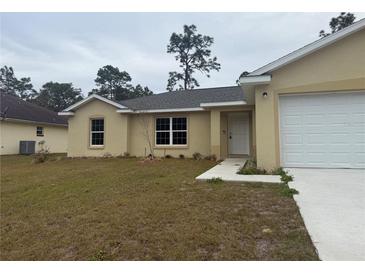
(238, 134)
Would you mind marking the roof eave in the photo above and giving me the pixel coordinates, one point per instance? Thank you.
(160, 110)
(223, 104)
(255, 80)
(33, 122)
(66, 113)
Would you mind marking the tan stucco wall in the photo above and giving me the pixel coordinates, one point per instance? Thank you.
(115, 126)
(11, 133)
(198, 135)
(338, 67)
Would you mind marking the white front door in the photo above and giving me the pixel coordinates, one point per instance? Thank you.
(238, 133)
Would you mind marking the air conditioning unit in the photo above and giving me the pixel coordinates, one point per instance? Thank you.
(26, 147)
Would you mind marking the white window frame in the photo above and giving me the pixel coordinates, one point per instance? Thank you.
(171, 131)
(98, 131)
(36, 131)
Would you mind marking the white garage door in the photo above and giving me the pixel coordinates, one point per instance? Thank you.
(323, 130)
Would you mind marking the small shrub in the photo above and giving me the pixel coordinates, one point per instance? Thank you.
(279, 171)
(215, 180)
(287, 191)
(197, 156)
(250, 164)
(211, 158)
(252, 171)
(181, 156)
(285, 177)
(42, 155)
(168, 156)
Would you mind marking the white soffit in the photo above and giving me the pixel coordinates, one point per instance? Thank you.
(255, 80)
(159, 110)
(223, 104)
(66, 113)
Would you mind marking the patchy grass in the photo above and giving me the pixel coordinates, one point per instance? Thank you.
(215, 180)
(123, 209)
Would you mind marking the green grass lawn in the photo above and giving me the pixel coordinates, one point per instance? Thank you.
(122, 209)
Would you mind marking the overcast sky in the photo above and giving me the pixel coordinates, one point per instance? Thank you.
(71, 47)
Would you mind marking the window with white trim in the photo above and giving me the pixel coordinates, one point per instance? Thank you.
(171, 131)
(97, 132)
(40, 131)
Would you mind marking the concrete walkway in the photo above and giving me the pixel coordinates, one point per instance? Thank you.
(227, 171)
(332, 204)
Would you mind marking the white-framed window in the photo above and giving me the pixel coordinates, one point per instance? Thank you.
(171, 131)
(40, 131)
(97, 132)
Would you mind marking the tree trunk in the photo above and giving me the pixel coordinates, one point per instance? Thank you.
(186, 80)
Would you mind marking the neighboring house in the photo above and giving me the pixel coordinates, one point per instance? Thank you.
(306, 109)
(24, 121)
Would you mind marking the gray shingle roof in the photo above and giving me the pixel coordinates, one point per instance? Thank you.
(16, 108)
(185, 98)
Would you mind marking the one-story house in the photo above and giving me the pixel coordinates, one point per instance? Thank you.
(24, 121)
(305, 109)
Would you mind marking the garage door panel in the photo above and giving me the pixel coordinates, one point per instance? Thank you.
(359, 159)
(293, 157)
(316, 157)
(291, 120)
(323, 130)
(358, 118)
(340, 148)
(293, 139)
(338, 138)
(315, 148)
(340, 158)
(359, 138)
(314, 139)
(359, 148)
(314, 119)
(338, 119)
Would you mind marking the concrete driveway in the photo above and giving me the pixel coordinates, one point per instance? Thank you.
(332, 204)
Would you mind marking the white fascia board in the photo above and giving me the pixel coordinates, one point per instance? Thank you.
(316, 45)
(66, 113)
(223, 104)
(255, 80)
(125, 111)
(92, 97)
(160, 110)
